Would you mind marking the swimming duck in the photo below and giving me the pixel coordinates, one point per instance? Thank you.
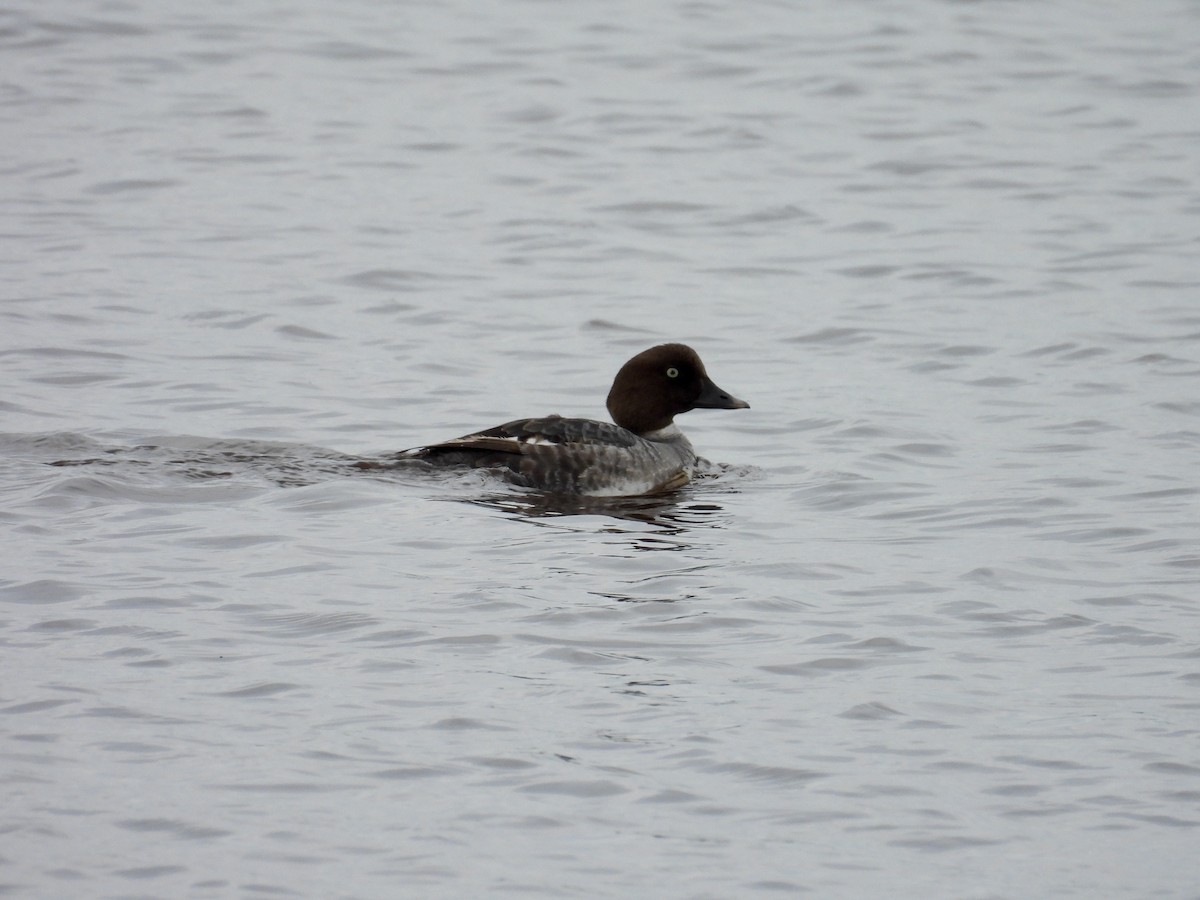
(641, 451)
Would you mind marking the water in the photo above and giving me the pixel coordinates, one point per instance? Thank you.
(929, 629)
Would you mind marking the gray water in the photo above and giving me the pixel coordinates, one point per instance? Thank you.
(929, 628)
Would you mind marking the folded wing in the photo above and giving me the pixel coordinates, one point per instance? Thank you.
(551, 453)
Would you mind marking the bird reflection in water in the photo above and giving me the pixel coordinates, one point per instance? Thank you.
(669, 515)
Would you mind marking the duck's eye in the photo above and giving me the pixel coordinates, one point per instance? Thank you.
(672, 372)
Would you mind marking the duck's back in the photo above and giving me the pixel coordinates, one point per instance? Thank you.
(570, 456)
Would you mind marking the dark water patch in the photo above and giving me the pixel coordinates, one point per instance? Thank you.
(286, 787)
(1161, 820)
(414, 773)
(1129, 635)
(130, 715)
(84, 26)
(885, 645)
(298, 332)
(351, 51)
(605, 326)
(1095, 535)
(964, 350)
(1183, 407)
(656, 207)
(753, 271)
(394, 636)
(869, 271)
(870, 712)
(1058, 449)
(850, 495)
(1174, 768)
(1016, 625)
(263, 689)
(63, 625)
(147, 872)
(64, 353)
(282, 625)
(150, 602)
(670, 796)
(42, 591)
(924, 450)
(393, 279)
(501, 764)
(1190, 561)
(819, 667)
(137, 747)
(462, 723)
(174, 828)
(138, 653)
(76, 379)
(34, 706)
(840, 336)
(1112, 600)
(388, 307)
(998, 381)
(576, 788)
(946, 844)
(233, 541)
(1080, 426)
(769, 215)
(768, 774)
(1062, 765)
(131, 185)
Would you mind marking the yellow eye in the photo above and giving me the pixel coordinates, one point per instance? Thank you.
(672, 372)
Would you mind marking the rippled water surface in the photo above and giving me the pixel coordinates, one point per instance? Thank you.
(928, 627)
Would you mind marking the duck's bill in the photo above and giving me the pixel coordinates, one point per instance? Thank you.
(712, 397)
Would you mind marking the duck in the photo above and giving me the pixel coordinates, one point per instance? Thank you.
(642, 451)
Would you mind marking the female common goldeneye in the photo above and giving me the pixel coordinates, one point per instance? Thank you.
(642, 453)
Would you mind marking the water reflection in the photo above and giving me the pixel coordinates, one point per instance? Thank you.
(669, 515)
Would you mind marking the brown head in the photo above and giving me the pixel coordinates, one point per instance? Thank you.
(659, 384)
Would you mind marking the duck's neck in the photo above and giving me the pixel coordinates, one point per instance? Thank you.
(670, 432)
